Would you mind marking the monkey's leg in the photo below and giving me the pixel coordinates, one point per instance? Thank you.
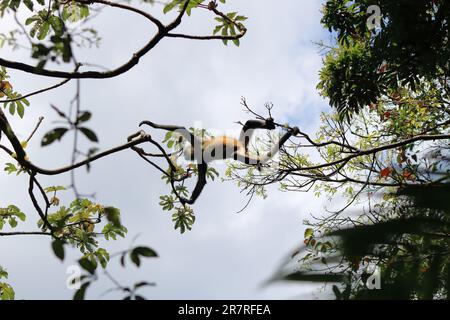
(201, 182)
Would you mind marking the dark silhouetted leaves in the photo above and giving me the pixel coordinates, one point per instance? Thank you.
(113, 216)
(84, 117)
(87, 265)
(138, 252)
(58, 248)
(80, 293)
(53, 135)
(89, 134)
(311, 277)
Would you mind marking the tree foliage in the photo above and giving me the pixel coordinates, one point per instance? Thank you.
(411, 45)
(385, 149)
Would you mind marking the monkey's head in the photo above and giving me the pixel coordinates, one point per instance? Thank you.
(270, 124)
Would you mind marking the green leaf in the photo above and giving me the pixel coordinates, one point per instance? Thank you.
(84, 117)
(122, 259)
(12, 108)
(58, 248)
(20, 215)
(135, 258)
(53, 135)
(29, 4)
(7, 292)
(217, 29)
(89, 134)
(143, 284)
(32, 19)
(3, 273)
(337, 292)
(309, 232)
(12, 222)
(20, 109)
(87, 265)
(80, 293)
(113, 216)
(54, 189)
(74, 12)
(103, 257)
(57, 24)
(170, 6)
(145, 252)
(43, 30)
(168, 136)
(10, 168)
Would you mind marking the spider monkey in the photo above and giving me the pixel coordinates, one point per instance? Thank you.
(206, 150)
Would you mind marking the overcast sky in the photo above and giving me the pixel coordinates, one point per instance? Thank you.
(227, 255)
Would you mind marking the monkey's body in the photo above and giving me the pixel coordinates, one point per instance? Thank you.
(215, 148)
(204, 151)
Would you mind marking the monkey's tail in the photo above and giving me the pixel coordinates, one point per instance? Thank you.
(148, 123)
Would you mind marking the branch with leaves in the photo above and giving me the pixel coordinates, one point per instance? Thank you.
(46, 20)
(351, 151)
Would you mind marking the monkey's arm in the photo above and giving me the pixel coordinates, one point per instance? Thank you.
(201, 182)
(202, 168)
(252, 159)
(250, 126)
(277, 146)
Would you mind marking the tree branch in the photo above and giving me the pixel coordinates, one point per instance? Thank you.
(24, 233)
